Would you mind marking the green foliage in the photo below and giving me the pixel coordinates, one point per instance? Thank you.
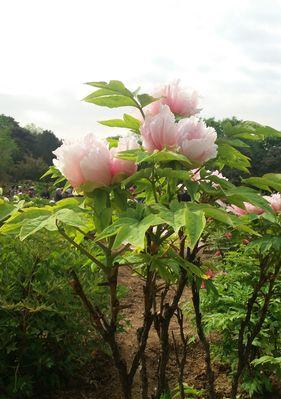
(128, 122)
(190, 393)
(114, 94)
(45, 335)
(223, 313)
(261, 144)
(7, 149)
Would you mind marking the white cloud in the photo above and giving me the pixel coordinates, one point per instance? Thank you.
(228, 51)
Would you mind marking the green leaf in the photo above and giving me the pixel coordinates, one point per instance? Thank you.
(267, 359)
(230, 156)
(165, 156)
(262, 130)
(112, 95)
(114, 86)
(132, 155)
(191, 267)
(238, 195)
(6, 209)
(266, 182)
(131, 227)
(134, 232)
(194, 226)
(32, 226)
(128, 122)
(140, 174)
(111, 101)
(71, 217)
(182, 175)
(145, 99)
(102, 211)
(212, 212)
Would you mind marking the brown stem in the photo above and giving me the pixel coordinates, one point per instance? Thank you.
(180, 360)
(164, 323)
(149, 294)
(80, 248)
(244, 350)
(203, 339)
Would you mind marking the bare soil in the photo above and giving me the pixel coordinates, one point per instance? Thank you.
(99, 380)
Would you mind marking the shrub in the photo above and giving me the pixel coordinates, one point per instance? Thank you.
(44, 334)
(224, 312)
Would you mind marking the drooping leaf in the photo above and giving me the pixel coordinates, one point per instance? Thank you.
(238, 195)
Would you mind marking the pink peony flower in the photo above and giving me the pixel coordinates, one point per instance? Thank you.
(236, 210)
(121, 167)
(85, 161)
(275, 201)
(160, 131)
(249, 208)
(253, 209)
(196, 140)
(89, 161)
(180, 102)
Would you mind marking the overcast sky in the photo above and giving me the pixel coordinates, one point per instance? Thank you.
(229, 51)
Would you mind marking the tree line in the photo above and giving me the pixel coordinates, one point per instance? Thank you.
(25, 152)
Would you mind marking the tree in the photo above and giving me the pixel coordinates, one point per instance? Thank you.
(25, 152)
(7, 149)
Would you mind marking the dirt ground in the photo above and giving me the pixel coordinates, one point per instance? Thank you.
(99, 379)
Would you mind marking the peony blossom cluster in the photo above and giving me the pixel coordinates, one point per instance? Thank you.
(91, 162)
(190, 136)
(273, 199)
(248, 208)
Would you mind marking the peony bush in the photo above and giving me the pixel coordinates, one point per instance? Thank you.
(154, 200)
